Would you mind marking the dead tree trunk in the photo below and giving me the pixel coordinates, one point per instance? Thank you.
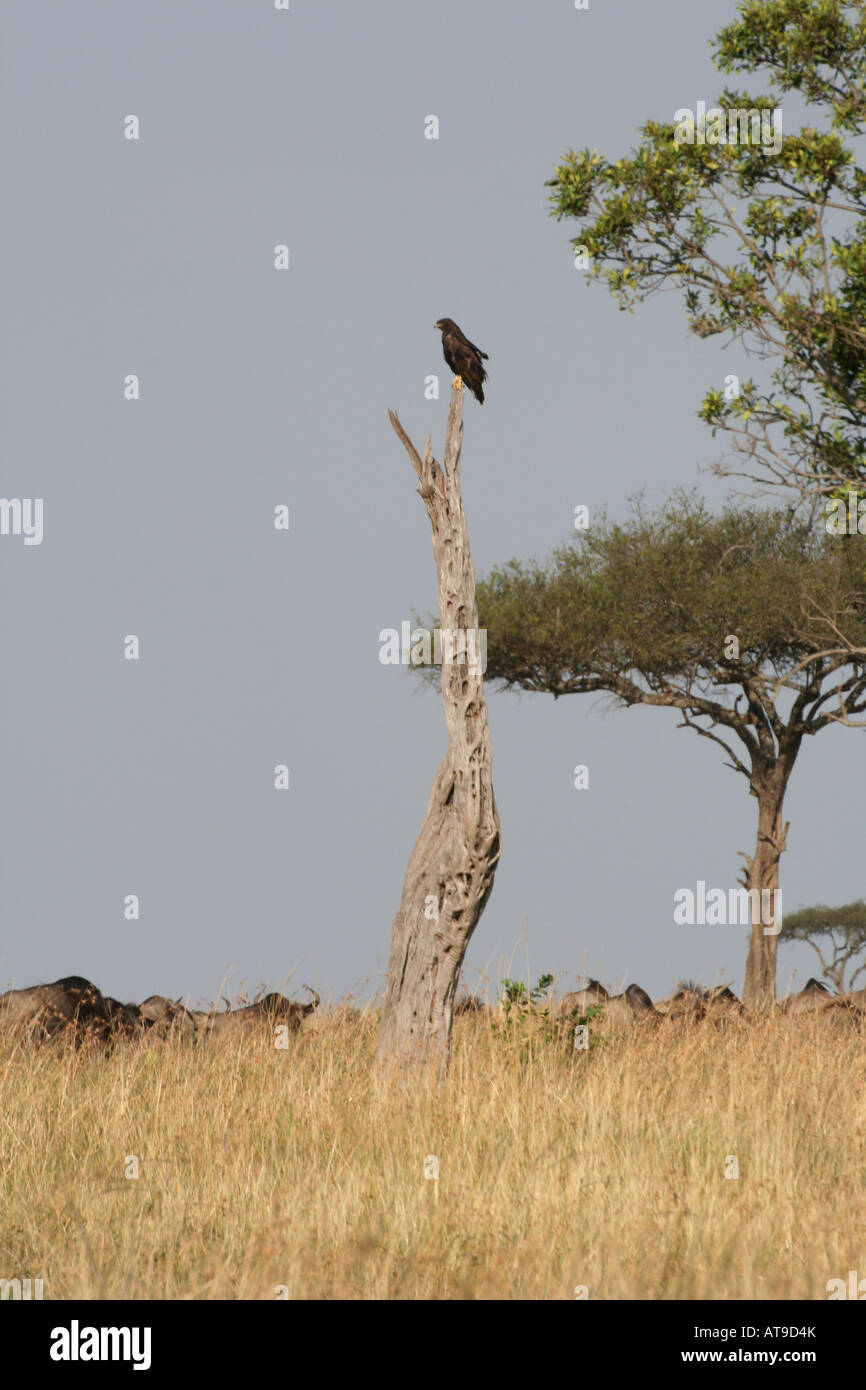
(451, 868)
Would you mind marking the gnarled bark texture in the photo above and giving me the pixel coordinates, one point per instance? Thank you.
(450, 873)
(761, 875)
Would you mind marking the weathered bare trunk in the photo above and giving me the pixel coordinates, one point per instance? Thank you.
(450, 873)
(761, 878)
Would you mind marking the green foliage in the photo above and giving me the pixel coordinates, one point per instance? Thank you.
(521, 1021)
(642, 609)
(575, 1019)
(815, 47)
(768, 248)
(525, 1020)
(515, 996)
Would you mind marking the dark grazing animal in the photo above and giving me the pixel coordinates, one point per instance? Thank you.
(124, 1020)
(464, 358)
(812, 996)
(635, 1003)
(166, 1015)
(43, 1010)
(71, 1007)
(273, 1009)
(695, 1002)
(581, 1000)
(624, 1008)
(469, 1005)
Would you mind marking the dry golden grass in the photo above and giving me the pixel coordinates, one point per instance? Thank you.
(262, 1168)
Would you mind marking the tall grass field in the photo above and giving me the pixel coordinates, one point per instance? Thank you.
(664, 1163)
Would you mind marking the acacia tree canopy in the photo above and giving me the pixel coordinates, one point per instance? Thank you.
(643, 609)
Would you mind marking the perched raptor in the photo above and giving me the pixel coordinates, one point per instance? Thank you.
(464, 359)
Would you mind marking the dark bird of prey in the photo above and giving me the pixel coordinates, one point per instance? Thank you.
(464, 359)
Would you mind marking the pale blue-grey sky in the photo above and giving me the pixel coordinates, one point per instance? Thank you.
(155, 257)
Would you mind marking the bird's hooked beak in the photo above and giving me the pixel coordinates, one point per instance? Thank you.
(438, 324)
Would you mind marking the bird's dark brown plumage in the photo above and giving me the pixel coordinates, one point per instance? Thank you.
(463, 357)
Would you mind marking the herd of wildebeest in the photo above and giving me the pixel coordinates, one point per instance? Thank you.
(690, 1001)
(73, 1009)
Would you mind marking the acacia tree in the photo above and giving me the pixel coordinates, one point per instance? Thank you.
(842, 931)
(767, 245)
(451, 868)
(698, 613)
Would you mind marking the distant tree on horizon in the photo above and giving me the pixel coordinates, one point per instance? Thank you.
(845, 931)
